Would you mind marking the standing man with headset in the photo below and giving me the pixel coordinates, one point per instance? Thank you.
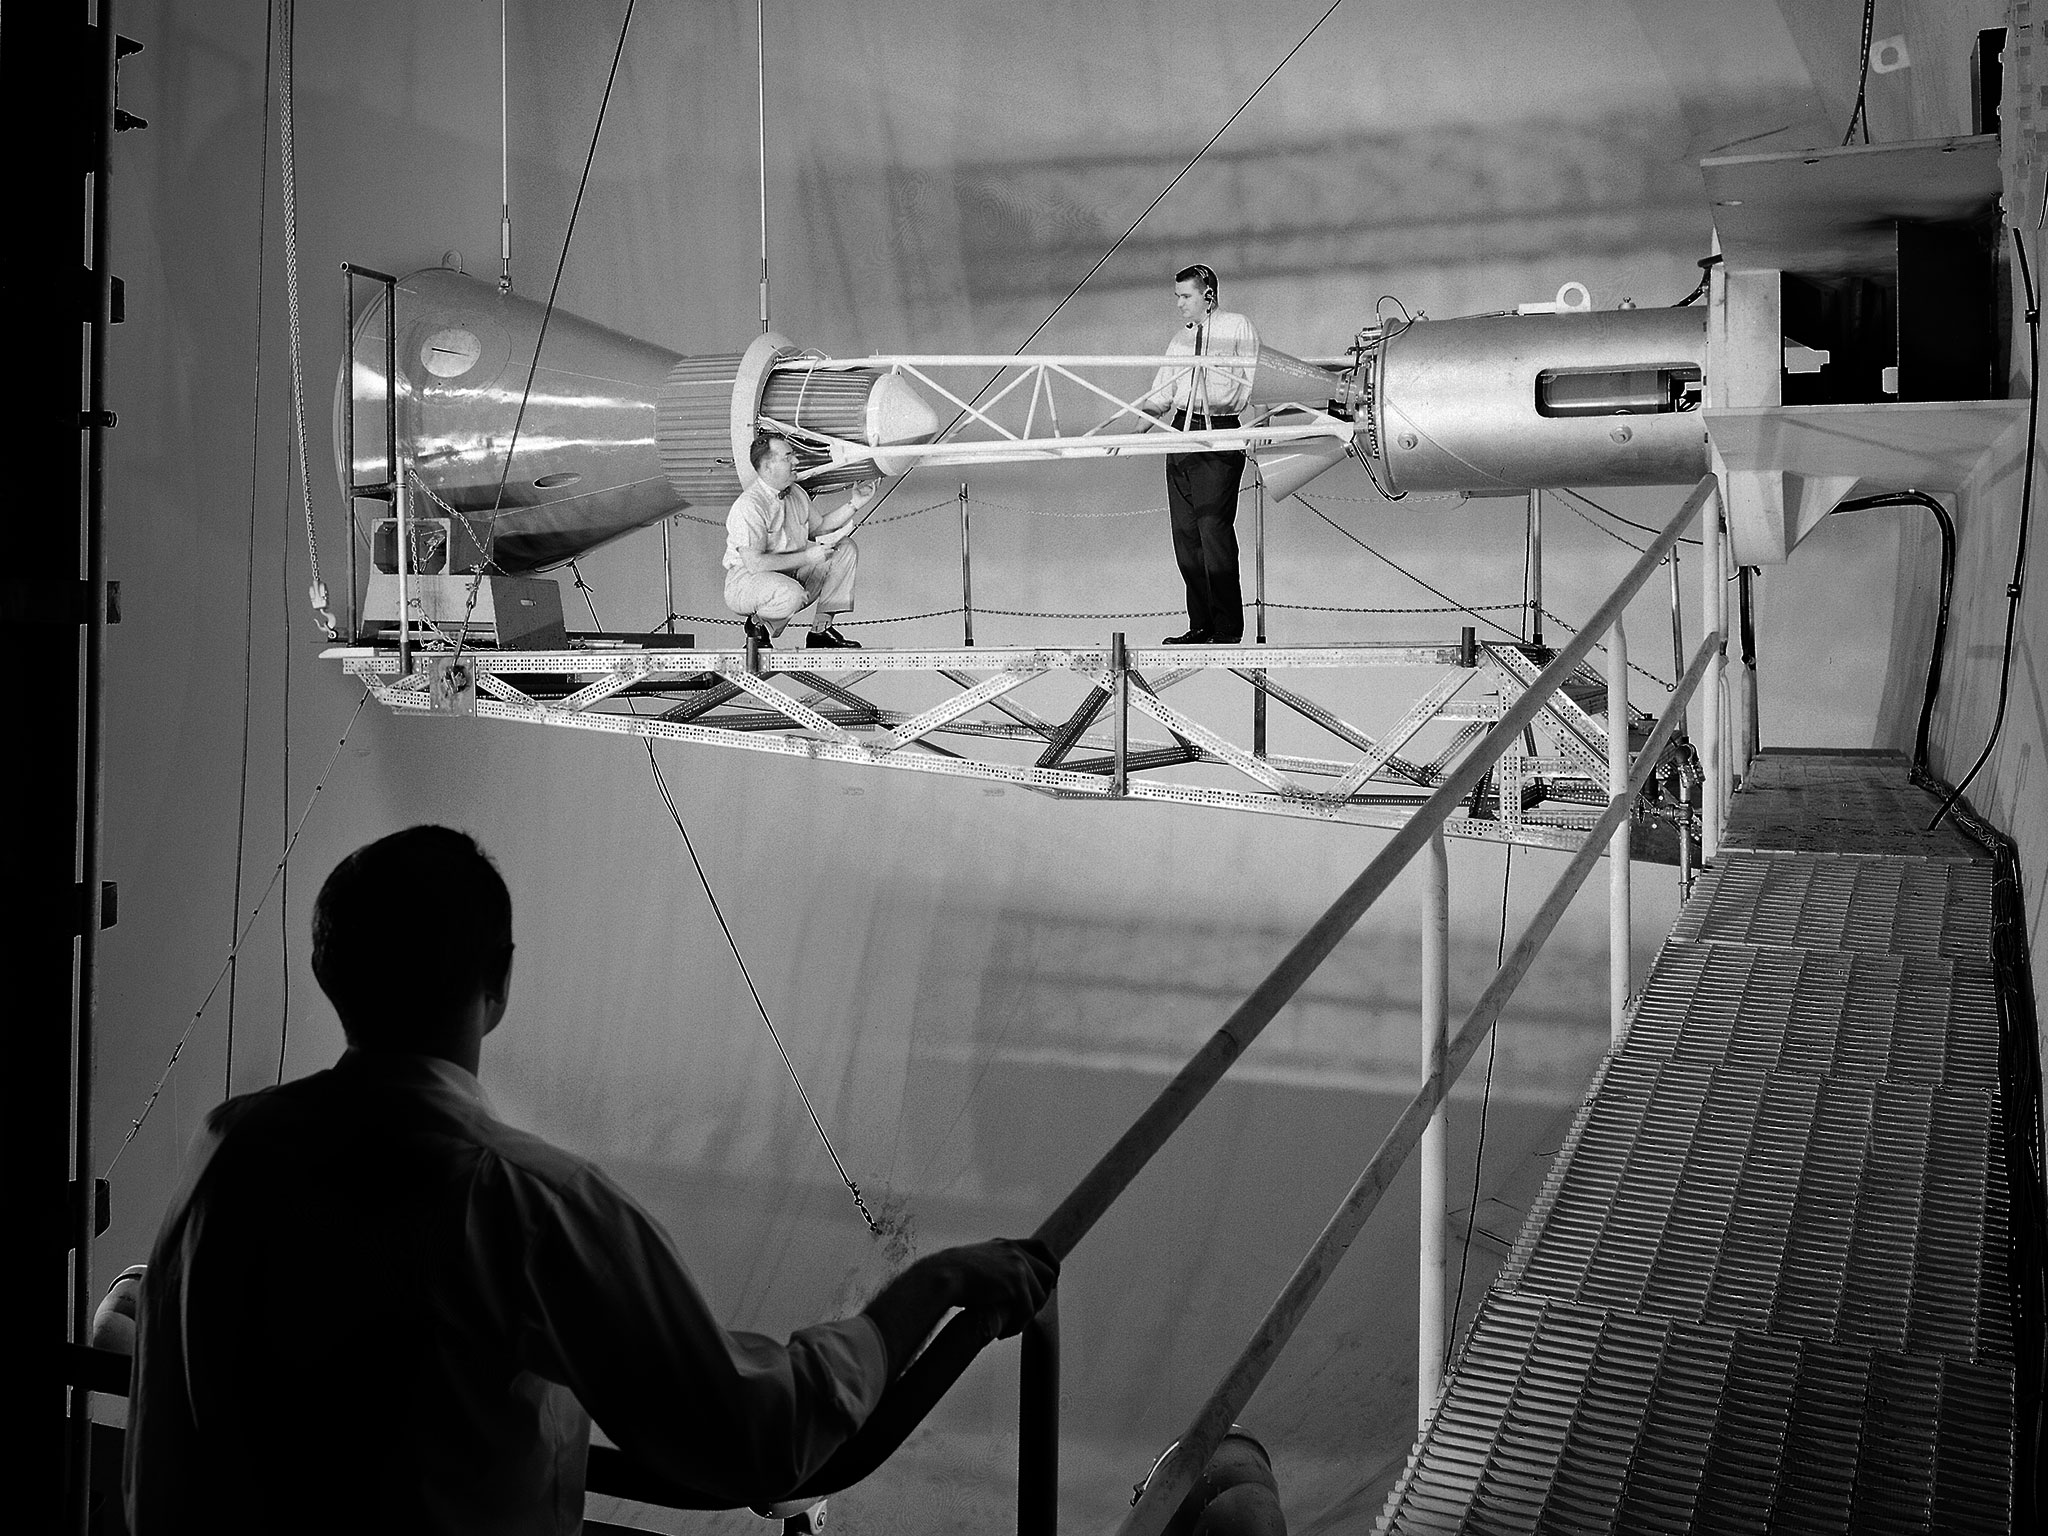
(1201, 488)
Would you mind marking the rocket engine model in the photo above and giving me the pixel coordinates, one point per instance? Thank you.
(1503, 403)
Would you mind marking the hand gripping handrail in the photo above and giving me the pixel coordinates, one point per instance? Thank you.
(932, 1374)
(1173, 1479)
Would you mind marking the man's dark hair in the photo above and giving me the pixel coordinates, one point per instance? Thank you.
(763, 441)
(1198, 273)
(410, 927)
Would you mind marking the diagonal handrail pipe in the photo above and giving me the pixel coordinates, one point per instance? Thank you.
(1176, 1475)
(932, 1374)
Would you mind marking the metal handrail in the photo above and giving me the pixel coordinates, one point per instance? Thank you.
(933, 1373)
(1171, 1482)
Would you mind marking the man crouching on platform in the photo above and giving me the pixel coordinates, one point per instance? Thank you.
(781, 555)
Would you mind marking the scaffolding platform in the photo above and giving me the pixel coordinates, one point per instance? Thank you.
(1765, 1285)
(1084, 722)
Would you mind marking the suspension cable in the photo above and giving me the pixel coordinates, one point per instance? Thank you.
(541, 337)
(661, 783)
(761, 143)
(285, 130)
(249, 569)
(504, 156)
(711, 896)
(1074, 292)
(135, 1125)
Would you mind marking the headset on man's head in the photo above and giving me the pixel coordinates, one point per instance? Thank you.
(1198, 273)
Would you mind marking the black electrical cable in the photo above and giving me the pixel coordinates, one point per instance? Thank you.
(1706, 264)
(1948, 581)
(2013, 587)
(1507, 870)
(1861, 114)
(2027, 1169)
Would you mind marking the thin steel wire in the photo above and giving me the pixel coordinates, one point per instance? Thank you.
(135, 1126)
(711, 896)
(249, 568)
(1073, 292)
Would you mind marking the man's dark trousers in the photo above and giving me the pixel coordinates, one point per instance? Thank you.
(1201, 496)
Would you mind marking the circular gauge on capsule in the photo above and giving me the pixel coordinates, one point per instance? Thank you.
(448, 354)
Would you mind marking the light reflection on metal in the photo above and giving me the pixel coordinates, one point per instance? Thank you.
(604, 441)
(1458, 405)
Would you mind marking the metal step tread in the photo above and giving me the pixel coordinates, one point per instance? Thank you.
(1832, 901)
(1570, 1418)
(1765, 1284)
(1841, 1013)
(1861, 1212)
(1864, 802)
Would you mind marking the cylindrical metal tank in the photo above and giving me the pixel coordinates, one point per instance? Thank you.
(1520, 402)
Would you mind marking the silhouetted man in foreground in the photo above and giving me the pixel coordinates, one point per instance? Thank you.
(373, 1306)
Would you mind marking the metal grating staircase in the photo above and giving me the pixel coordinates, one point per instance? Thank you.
(1765, 1285)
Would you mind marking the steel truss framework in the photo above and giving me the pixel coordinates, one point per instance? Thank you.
(1101, 729)
(1034, 387)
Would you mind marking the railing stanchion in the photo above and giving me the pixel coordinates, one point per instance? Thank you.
(1038, 1424)
(348, 439)
(1259, 606)
(399, 509)
(1710, 689)
(1178, 1472)
(1752, 730)
(1619, 926)
(1677, 622)
(395, 466)
(1436, 1015)
(668, 579)
(1535, 558)
(966, 569)
(1120, 670)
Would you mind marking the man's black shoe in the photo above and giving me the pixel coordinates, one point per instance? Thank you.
(757, 636)
(829, 639)
(1192, 637)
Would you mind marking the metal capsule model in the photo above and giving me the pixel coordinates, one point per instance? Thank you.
(535, 465)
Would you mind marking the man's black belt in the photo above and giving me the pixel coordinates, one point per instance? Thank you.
(1180, 420)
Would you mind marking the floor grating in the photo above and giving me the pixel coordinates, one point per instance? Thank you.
(1764, 1287)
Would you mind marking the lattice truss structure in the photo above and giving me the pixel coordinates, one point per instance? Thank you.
(1015, 414)
(1070, 722)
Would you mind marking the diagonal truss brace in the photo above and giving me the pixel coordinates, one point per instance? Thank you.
(960, 704)
(1446, 688)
